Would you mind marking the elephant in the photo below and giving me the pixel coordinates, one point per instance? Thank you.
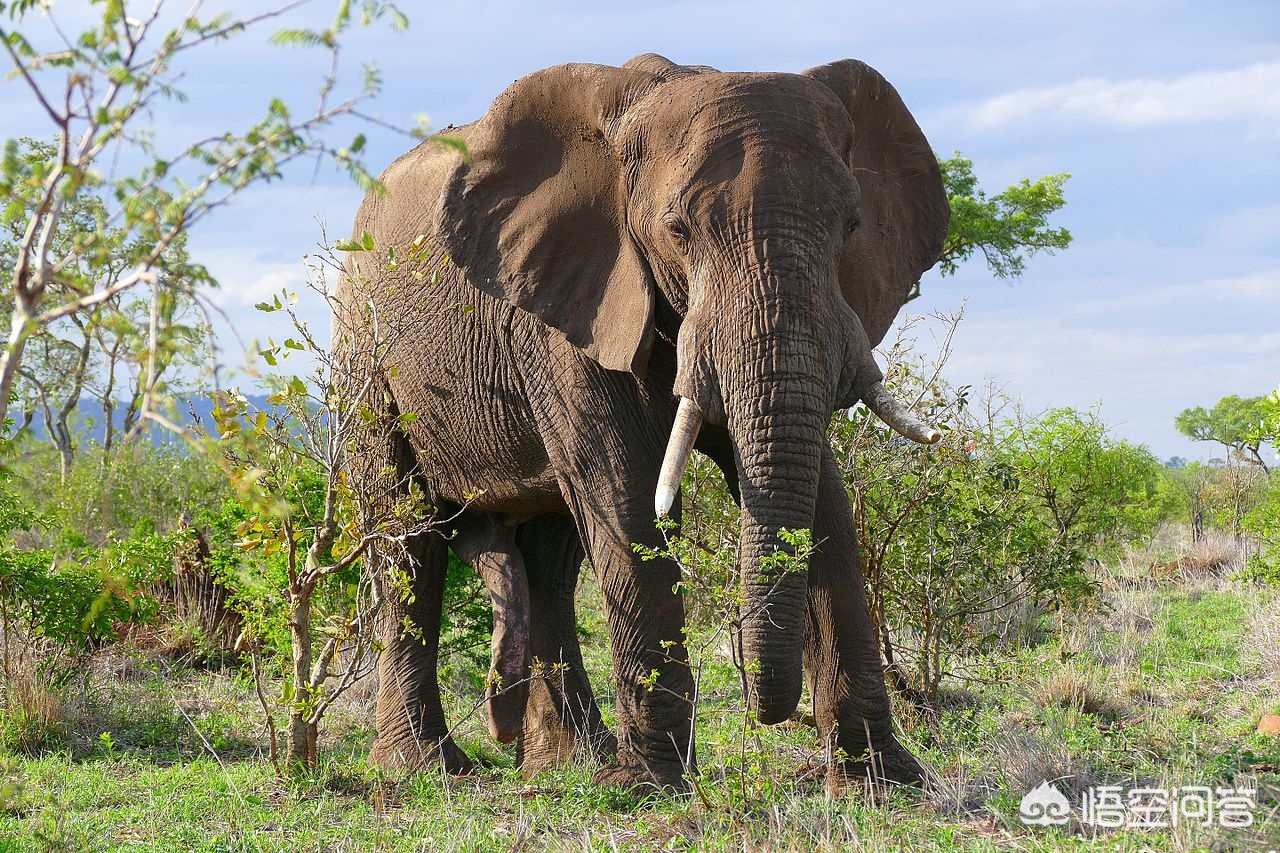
(629, 263)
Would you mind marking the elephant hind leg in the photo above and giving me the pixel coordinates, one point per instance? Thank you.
(562, 721)
(412, 733)
(488, 545)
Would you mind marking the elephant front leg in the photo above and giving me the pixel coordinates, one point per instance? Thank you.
(412, 732)
(605, 435)
(841, 656)
(650, 664)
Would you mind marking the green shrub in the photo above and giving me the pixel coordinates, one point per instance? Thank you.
(136, 489)
(957, 559)
(466, 623)
(1263, 524)
(967, 544)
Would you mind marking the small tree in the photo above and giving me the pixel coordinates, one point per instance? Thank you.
(954, 556)
(1092, 490)
(1240, 424)
(1263, 520)
(964, 544)
(103, 352)
(1243, 425)
(1195, 481)
(97, 90)
(313, 510)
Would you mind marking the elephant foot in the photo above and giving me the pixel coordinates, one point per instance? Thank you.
(640, 777)
(506, 711)
(418, 756)
(888, 766)
(549, 748)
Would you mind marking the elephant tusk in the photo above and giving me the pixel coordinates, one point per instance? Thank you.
(684, 432)
(903, 420)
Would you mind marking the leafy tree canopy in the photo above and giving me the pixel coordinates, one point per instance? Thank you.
(1091, 486)
(1242, 424)
(1007, 228)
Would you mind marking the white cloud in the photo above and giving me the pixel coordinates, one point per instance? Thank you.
(1144, 339)
(247, 279)
(1238, 300)
(1251, 94)
(1140, 378)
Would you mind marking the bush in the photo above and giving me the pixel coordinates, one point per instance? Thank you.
(76, 595)
(957, 559)
(1263, 524)
(56, 606)
(135, 486)
(966, 544)
(466, 624)
(325, 524)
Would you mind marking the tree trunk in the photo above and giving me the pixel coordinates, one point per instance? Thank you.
(61, 431)
(11, 358)
(301, 752)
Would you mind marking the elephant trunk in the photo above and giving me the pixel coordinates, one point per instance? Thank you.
(777, 420)
(772, 379)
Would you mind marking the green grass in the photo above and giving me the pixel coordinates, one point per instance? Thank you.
(1199, 636)
(1155, 687)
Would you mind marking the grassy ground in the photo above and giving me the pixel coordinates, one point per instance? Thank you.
(1162, 684)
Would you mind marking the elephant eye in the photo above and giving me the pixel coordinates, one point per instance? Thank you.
(851, 224)
(677, 228)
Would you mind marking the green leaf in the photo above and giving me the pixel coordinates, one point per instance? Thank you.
(362, 244)
(301, 38)
(453, 143)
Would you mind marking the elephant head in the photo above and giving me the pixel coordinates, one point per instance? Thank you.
(770, 226)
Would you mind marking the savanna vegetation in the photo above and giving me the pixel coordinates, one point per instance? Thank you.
(187, 612)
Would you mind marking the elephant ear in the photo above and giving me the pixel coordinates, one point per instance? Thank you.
(537, 216)
(904, 204)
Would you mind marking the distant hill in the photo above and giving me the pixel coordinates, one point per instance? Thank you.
(88, 419)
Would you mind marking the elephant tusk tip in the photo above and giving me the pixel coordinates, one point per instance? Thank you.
(902, 420)
(684, 432)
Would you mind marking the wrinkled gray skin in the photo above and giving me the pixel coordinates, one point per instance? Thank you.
(627, 237)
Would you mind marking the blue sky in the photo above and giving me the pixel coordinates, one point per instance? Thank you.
(1166, 114)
